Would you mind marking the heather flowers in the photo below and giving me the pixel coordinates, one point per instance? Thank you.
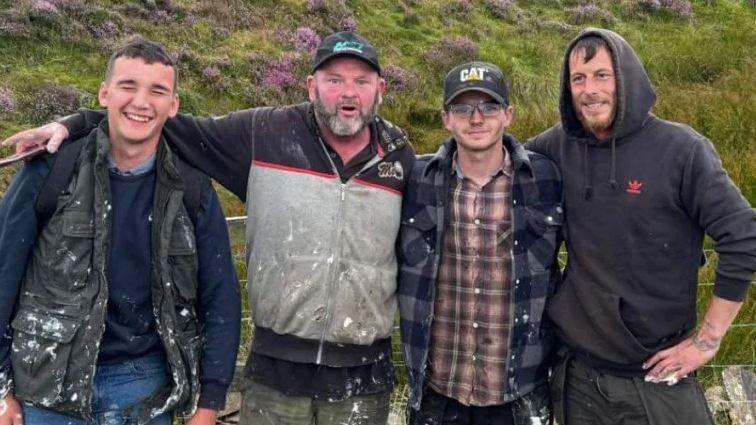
(678, 8)
(317, 5)
(460, 8)
(590, 13)
(280, 74)
(398, 79)
(451, 51)
(55, 101)
(501, 9)
(348, 23)
(106, 29)
(306, 39)
(211, 72)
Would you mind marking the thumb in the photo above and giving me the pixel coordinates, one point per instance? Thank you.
(54, 143)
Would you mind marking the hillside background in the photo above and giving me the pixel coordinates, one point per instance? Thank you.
(235, 54)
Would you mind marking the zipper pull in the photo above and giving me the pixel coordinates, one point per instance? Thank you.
(343, 191)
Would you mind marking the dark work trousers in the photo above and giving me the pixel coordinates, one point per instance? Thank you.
(590, 397)
(437, 409)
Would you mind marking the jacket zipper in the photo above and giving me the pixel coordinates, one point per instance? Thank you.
(336, 254)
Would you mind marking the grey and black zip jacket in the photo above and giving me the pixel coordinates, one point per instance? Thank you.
(322, 270)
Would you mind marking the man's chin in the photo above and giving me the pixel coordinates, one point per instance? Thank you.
(596, 126)
(347, 129)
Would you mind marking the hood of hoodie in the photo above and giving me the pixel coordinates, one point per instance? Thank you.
(635, 93)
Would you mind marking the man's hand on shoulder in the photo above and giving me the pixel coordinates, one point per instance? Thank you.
(201, 417)
(10, 411)
(53, 133)
(687, 356)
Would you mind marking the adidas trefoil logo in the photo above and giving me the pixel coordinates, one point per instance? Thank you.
(634, 187)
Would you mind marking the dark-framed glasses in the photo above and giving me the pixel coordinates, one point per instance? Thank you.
(465, 110)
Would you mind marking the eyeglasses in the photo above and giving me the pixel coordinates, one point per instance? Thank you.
(465, 110)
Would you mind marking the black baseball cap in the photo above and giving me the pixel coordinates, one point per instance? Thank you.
(345, 43)
(479, 76)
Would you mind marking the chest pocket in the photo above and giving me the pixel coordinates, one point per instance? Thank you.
(543, 223)
(71, 262)
(418, 238)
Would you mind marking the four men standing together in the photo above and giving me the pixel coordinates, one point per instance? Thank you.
(479, 291)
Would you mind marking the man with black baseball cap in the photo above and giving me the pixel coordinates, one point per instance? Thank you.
(478, 250)
(324, 180)
(346, 43)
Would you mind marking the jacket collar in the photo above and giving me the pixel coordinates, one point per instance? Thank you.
(166, 168)
(443, 157)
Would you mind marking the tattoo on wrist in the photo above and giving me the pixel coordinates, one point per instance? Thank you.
(702, 341)
(704, 344)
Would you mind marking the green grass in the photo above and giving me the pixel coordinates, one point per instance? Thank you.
(704, 70)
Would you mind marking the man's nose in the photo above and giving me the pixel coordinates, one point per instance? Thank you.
(140, 99)
(477, 115)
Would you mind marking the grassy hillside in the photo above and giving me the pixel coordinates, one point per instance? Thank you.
(236, 54)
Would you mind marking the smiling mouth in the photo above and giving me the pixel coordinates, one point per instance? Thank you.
(136, 117)
(477, 132)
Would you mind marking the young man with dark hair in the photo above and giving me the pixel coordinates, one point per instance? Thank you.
(122, 306)
(324, 181)
(640, 194)
(477, 251)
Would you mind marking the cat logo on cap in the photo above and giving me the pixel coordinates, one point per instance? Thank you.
(474, 73)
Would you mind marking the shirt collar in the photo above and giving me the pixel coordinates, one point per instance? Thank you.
(505, 168)
(146, 166)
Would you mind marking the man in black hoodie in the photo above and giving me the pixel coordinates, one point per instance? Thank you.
(640, 193)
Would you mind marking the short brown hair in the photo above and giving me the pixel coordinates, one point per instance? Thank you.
(590, 45)
(147, 50)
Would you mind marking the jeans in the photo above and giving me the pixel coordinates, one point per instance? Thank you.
(117, 387)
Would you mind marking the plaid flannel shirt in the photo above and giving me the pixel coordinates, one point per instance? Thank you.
(537, 217)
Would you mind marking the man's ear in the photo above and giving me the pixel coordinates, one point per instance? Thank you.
(445, 118)
(312, 88)
(174, 106)
(508, 116)
(102, 95)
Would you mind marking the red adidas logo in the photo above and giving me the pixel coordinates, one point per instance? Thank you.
(634, 187)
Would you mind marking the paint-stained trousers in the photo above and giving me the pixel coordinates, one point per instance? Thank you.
(262, 405)
(589, 397)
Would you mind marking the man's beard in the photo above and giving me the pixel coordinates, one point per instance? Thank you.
(594, 124)
(342, 126)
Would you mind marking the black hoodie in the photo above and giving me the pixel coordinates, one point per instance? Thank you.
(637, 207)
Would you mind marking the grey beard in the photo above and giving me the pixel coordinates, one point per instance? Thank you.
(344, 127)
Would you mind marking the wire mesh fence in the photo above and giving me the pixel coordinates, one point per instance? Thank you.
(738, 349)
